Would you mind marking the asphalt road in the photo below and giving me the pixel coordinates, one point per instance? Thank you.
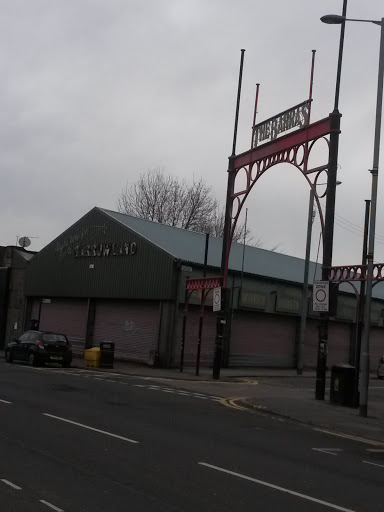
(73, 440)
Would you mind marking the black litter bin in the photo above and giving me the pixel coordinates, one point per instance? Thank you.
(107, 354)
(343, 385)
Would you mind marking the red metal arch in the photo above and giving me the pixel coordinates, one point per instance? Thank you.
(295, 149)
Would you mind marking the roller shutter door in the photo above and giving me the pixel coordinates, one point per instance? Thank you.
(339, 336)
(132, 326)
(259, 339)
(67, 316)
(191, 337)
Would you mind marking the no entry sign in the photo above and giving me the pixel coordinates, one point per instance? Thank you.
(320, 296)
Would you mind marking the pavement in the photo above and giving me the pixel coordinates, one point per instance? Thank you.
(277, 392)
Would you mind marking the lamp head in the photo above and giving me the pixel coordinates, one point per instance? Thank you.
(332, 19)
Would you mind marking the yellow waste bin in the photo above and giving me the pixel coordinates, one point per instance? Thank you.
(92, 357)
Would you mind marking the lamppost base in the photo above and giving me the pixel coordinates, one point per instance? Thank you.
(363, 411)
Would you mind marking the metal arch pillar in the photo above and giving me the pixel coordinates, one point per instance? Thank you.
(293, 148)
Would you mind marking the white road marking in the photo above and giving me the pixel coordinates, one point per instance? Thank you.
(349, 436)
(375, 450)
(7, 482)
(51, 506)
(329, 451)
(179, 392)
(277, 488)
(373, 464)
(91, 428)
(5, 402)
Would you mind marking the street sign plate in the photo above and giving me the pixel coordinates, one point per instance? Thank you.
(217, 299)
(320, 301)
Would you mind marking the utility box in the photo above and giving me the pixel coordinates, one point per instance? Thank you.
(92, 357)
(343, 385)
(107, 354)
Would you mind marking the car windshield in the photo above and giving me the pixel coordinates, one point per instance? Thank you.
(52, 338)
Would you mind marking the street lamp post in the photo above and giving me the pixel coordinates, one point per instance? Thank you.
(321, 365)
(364, 359)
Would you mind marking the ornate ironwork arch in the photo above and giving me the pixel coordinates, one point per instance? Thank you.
(295, 149)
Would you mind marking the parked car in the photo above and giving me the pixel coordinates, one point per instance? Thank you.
(39, 347)
(380, 368)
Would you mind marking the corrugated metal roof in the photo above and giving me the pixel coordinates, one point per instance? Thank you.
(189, 247)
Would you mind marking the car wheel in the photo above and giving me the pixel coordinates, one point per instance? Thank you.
(32, 359)
(8, 356)
(381, 377)
(66, 365)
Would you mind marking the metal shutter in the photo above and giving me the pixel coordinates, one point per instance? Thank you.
(261, 339)
(67, 316)
(132, 326)
(339, 336)
(191, 334)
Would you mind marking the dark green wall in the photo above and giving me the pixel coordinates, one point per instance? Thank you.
(63, 268)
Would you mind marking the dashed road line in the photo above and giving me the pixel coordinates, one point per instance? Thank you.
(191, 394)
(328, 451)
(65, 420)
(51, 506)
(14, 486)
(5, 402)
(276, 487)
(373, 463)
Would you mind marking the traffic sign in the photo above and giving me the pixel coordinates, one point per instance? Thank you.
(217, 299)
(320, 300)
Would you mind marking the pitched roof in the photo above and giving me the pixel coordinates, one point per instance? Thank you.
(189, 247)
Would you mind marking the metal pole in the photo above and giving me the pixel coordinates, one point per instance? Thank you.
(238, 103)
(304, 301)
(335, 116)
(364, 361)
(200, 334)
(201, 320)
(223, 315)
(242, 263)
(183, 330)
(253, 143)
(357, 351)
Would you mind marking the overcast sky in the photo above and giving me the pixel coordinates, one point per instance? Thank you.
(94, 92)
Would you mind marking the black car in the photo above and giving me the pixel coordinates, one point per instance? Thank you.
(39, 347)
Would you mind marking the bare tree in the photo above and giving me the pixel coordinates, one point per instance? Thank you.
(215, 227)
(162, 198)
